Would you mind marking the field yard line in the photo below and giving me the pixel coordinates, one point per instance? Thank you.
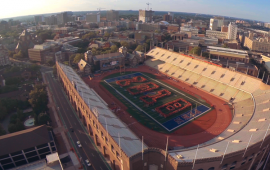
(136, 106)
(174, 90)
(123, 75)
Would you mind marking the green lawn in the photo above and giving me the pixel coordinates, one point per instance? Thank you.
(141, 116)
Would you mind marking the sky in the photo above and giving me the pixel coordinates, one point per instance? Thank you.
(248, 9)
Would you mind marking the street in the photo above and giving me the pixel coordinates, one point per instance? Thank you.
(70, 119)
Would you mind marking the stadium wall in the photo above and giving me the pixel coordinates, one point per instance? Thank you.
(155, 157)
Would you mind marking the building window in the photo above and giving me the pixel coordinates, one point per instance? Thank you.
(212, 168)
(117, 155)
(112, 148)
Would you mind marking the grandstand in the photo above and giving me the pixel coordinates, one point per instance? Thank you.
(251, 106)
(204, 75)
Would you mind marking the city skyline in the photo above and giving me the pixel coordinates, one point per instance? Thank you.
(240, 9)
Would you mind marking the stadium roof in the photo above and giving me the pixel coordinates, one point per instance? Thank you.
(129, 142)
(227, 52)
(24, 139)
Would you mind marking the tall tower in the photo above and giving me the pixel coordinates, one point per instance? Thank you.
(146, 16)
(232, 31)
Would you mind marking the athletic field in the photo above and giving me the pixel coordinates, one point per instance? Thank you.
(154, 103)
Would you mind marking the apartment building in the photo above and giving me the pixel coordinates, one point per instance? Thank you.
(146, 15)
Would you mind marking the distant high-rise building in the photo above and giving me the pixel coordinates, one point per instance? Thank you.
(232, 31)
(146, 16)
(112, 15)
(171, 14)
(93, 17)
(62, 18)
(51, 20)
(39, 18)
(167, 17)
(217, 22)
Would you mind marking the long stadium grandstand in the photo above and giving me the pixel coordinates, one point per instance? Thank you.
(244, 144)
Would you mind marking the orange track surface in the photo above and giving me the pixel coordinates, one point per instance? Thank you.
(198, 131)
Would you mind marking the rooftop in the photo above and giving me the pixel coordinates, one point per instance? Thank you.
(24, 139)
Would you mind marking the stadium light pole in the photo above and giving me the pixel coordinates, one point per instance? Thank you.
(265, 135)
(225, 152)
(195, 157)
(247, 145)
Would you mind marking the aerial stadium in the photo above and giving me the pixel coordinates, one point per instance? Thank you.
(174, 112)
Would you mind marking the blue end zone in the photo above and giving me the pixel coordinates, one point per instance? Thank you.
(123, 77)
(184, 118)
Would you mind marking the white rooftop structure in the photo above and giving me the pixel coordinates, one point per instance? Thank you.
(130, 143)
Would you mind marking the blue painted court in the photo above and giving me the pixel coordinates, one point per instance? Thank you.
(185, 117)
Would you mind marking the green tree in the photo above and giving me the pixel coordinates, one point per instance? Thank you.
(125, 44)
(66, 63)
(50, 62)
(12, 81)
(225, 46)
(11, 53)
(114, 48)
(16, 127)
(78, 57)
(43, 118)
(195, 51)
(19, 55)
(107, 34)
(140, 48)
(118, 45)
(38, 99)
(2, 130)
(34, 67)
(89, 36)
(71, 58)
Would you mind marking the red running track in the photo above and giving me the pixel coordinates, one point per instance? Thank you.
(198, 131)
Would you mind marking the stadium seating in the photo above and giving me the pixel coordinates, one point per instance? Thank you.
(211, 84)
(178, 73)
(219, 73)
(228, 76)
(202, 82)
(186, 75)
(220, 89)
(193, 78)
(229, 93)
(219, 81)
(172, 70)
(208, 70)
(200, 68)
